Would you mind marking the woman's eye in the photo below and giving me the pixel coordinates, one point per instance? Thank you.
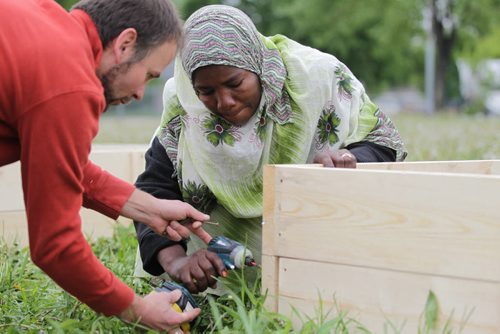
(235, 84)
(203, 92)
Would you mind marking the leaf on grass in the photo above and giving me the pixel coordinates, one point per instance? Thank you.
(431, 311)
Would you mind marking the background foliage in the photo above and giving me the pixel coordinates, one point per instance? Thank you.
(381, 41)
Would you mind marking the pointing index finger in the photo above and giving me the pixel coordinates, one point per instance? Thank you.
(197, 229)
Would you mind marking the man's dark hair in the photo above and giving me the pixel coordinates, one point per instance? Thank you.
(156, 21)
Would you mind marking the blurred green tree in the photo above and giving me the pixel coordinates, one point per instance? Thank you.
(478, 34)
(459, 27)
(487, 46)
(382, 41)
(379, 40)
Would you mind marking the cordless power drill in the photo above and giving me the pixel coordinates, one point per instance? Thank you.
(233, 255)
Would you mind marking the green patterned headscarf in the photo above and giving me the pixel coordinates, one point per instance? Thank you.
(222, 35)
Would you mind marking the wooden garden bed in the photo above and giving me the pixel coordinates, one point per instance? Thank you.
(376, 240)
(124, 161)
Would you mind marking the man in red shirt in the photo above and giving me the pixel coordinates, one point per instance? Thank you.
(59, 72)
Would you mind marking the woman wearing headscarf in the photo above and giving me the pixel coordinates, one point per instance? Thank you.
(239, 101)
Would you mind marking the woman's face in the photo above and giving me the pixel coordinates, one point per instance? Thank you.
(229, 92)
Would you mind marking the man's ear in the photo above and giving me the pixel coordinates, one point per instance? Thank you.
(124, 45)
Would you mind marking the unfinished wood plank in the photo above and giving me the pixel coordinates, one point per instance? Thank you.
(96, 225)
(484, 167)
(270, 272)
(269, 233)
(123, 161)
(117, 163)
(270, 208)
(436, 223)
(137, 163)
(11, 191)
(14, 227)
(372, 296)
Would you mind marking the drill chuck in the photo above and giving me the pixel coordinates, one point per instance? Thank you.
(232, 253)
(241, 257)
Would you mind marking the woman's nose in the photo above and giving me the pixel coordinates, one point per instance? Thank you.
(225, 102)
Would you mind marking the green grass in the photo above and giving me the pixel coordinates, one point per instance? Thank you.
(31, 303)
(449, 136)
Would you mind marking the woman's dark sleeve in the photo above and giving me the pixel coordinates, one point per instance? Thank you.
(366, 151)
(158, 181)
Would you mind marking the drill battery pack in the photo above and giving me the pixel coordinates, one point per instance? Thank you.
(186, 302)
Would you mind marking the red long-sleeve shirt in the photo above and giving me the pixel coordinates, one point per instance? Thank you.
(50, 104)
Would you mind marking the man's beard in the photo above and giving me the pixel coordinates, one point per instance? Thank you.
(108, 80)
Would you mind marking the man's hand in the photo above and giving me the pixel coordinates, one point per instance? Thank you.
(196, 272)
(179, 211)
(340, 159)
(163, 216)
(155, 311)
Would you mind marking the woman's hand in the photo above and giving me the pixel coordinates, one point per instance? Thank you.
(196, 272)
(340, 159)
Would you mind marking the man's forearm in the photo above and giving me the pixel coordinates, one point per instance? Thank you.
(140, 207)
